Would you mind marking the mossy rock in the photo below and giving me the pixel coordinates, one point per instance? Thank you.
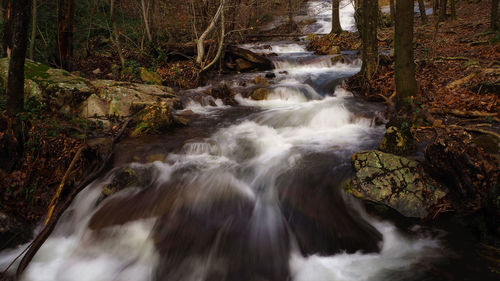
(124, 178)
(398, 138)
(149, 77)
(394, 181)
(260, 94)
(153, 119)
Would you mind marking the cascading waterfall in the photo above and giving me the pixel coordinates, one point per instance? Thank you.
(256, 200)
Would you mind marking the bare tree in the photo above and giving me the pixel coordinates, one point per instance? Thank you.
(34, 10)
(145, 17)
(115, 35)
(442, 10)
(392, 9)
(211, 27)
(7, 27)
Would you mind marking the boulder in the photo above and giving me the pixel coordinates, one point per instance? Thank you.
(124, 178)
(222, 92)
(394, 181)
(149, 77)
(122, 99)
(244, 60)
(57, 88)
(153, 119)
(260, 94)
(260, 80)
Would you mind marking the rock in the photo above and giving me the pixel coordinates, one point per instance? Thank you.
(394, 181)
(260, 80)
(222, 92)
(336, 59)
(270, 75)
(398, 138)
(260, 94)
(149, 77)
(243, 65)
(153, 119)
(156, 157)
(96, 71)
(12, 232)
(57, 88)
(467, 169)
(115, 71)
(122, 99)
(245, 60)
(124, 178)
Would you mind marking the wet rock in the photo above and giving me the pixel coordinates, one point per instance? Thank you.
(153, 119)
(394, 181)
(149, 77)
(270, 75)
(244, 60)
(398, 138)
(260, 94)
(125, 178)
(260, 80)
(222, 92)
(12, 232)
(336, 59)
(322, 222)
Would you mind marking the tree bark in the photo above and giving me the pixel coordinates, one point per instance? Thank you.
(421, 8)
(221, 40)
(442, 10)
(66, 11)
(33, 30)
(495, 22)
(406, 85)
(393, 10)
(336, 28)
(15, 84)
(453, 9)
(7, 27)
(369, 18)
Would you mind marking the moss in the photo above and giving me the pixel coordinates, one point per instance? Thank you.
(36, 71)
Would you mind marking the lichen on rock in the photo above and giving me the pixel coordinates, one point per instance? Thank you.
(394, 181)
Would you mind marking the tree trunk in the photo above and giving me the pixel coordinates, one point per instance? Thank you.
(393, 10)
(66, 10)
(369, 20)
(421, 8)
(435, 6)
(200, 46)
(495, 22)
(114, 36)
(442, 10)
(15, 85)
(336, 28)
(221, 40)
(146, 21)
(453, 9)
(33, 30)
(290, 16)
(406, 85)
(7, 27)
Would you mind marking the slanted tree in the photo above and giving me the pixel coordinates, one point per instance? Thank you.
(406, 85)
(369, 22)
(421, 8)
(65, 26)
(495, 20)
(336, 28)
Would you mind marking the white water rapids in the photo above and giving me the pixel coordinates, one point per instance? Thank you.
(233, 213)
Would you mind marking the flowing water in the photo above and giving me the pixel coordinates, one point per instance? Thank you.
(249, 192)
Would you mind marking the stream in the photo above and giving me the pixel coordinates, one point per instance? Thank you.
(247, 192)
